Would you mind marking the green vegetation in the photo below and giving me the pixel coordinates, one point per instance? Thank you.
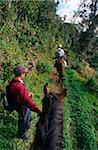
(82, 105)
(30, 32)
(67, 131)
(43, 67)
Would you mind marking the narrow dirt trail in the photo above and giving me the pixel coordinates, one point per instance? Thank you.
(56, 87)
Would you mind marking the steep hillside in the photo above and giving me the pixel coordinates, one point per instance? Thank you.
(80, 111)
(30, 33)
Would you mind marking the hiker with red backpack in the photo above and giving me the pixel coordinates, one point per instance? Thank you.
(19, 100)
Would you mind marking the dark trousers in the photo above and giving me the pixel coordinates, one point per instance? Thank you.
(24, 122)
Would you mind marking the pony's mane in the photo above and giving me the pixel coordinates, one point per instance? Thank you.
(49, 101)
(49, 133)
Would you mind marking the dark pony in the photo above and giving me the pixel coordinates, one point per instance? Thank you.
(60, 65)
(49, 128)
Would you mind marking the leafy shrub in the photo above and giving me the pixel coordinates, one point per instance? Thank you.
(71, 58)
(87, 71)
(67, 137)
(94, 60)
(84, 69)
(43, 67)
(92, 85)
(77, 65)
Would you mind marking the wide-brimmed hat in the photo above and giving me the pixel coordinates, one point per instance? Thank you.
(60, 45)
(20, 69)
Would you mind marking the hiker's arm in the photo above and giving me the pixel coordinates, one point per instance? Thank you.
(25, 100)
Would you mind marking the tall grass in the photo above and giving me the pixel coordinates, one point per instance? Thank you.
(81, 112)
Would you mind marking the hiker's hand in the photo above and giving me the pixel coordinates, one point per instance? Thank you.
(31, 94)
(40, 112)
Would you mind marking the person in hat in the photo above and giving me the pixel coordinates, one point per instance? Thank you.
(59, 52)
(60, 55)
(19, 98)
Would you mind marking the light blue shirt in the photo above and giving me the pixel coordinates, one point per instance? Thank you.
(60, 52)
